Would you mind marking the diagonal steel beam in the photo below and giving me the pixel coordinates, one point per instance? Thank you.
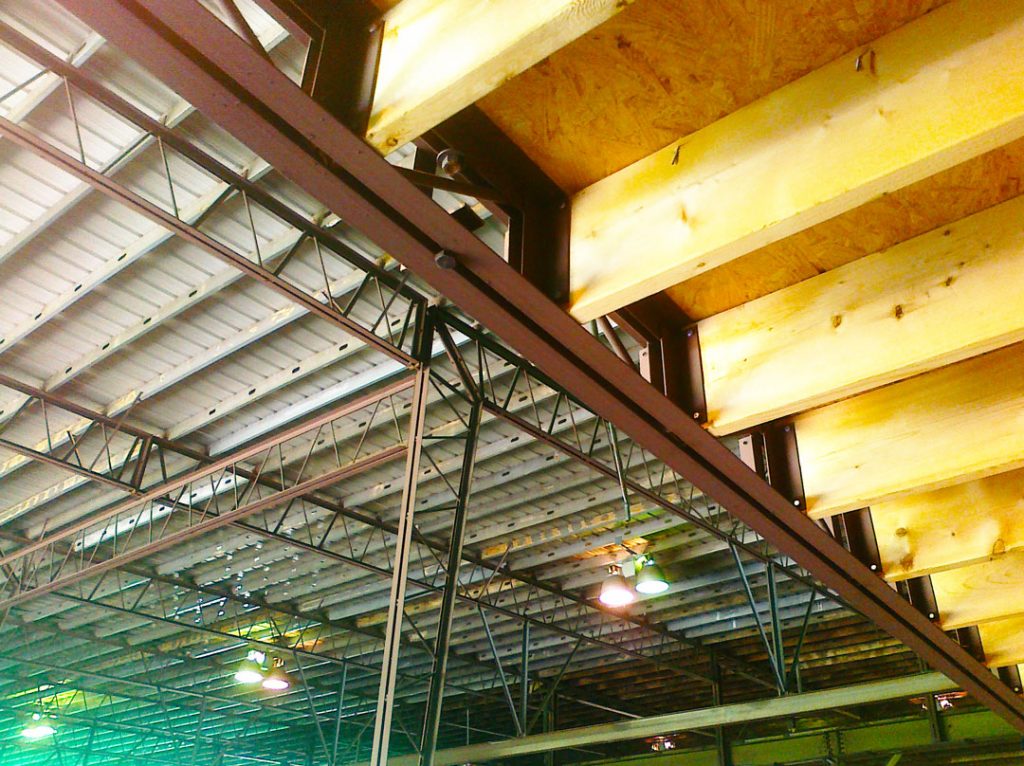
(214, 69)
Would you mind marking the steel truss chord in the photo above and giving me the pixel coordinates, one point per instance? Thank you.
(380, 311)
(215, 494)
(202, 59)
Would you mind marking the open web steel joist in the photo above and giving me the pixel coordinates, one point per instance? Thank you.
(236, 86)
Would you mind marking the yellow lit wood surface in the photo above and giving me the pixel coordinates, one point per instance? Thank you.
(954, 424)
(979, 593)
(874, 321)
(662, 69)
(966, 523)
(438, 57)
(885, 221)
(1003, 641)
(942, 89)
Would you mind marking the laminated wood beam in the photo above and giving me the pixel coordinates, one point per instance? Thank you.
(967, 523)
(1003, 641)
(947, 426)
(939, 298)
(934, 93)
(437, 58)
(982, 592)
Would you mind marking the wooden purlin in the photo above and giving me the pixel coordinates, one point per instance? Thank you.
(721, 192)
(880, 319)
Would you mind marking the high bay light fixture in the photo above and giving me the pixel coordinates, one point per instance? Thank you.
(277, 680)
(252, 670)
(650, 580)
(38, 728)
(615, 591)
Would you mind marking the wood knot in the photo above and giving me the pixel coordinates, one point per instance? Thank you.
(837, 319)
(898, 311)
(622, 43)
(949, 281)
(901, 532)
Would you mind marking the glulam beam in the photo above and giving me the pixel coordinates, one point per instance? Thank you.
(955, 424)
(934, 300)
(934, 93)
(928, 532)
(978, 593)
(1003, 641)
(437, 58)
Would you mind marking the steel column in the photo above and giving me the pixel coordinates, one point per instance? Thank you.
(200, 57)
(438, 677)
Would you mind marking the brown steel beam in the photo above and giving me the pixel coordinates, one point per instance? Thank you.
(215, 70)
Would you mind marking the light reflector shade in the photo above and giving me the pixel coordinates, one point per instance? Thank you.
(615, 591)
(650, 580)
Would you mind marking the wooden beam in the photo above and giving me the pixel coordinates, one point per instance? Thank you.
(939, 298)
(934, 93)
(947, 426)
(979, 593)
(967, 523)
(437, 58)
(1003, 641)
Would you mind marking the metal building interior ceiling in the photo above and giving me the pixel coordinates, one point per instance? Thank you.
(322, 400)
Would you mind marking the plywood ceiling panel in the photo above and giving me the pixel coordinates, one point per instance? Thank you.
(662, 69)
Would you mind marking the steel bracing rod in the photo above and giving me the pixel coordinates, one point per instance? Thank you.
(403, 544)
(438, 676)
(213, 68)
(108, 703)
(24, 138)
(501, 673)
(91, 564)
(500, 407)
(777, 670)
(77, 718)
(322, 549)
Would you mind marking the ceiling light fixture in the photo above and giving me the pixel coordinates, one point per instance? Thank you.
(252, 669)
(39, 728)
(615, 591)
(277, 680)
(650, 580)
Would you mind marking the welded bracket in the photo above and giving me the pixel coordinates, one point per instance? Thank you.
(772, 453)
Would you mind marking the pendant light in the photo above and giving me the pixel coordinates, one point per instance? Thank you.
(615, 591)
(251, 670)
(650, 580)
(277, 680)
(38, 728)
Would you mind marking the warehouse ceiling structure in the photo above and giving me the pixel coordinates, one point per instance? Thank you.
(446, 381)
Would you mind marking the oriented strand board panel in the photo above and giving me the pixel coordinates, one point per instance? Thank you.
(437, 58)
(982, 592)
(1003, 641)
(954, 424)
(956, 193)
(666, 68)
(871, 322)
(967, 523)
(944, 88)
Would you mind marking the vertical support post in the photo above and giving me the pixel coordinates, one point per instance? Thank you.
(935, 722)
(396, 606)
(435, 695)
(777, 645)
(341, 68)
(721, 742)
(524, 675)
